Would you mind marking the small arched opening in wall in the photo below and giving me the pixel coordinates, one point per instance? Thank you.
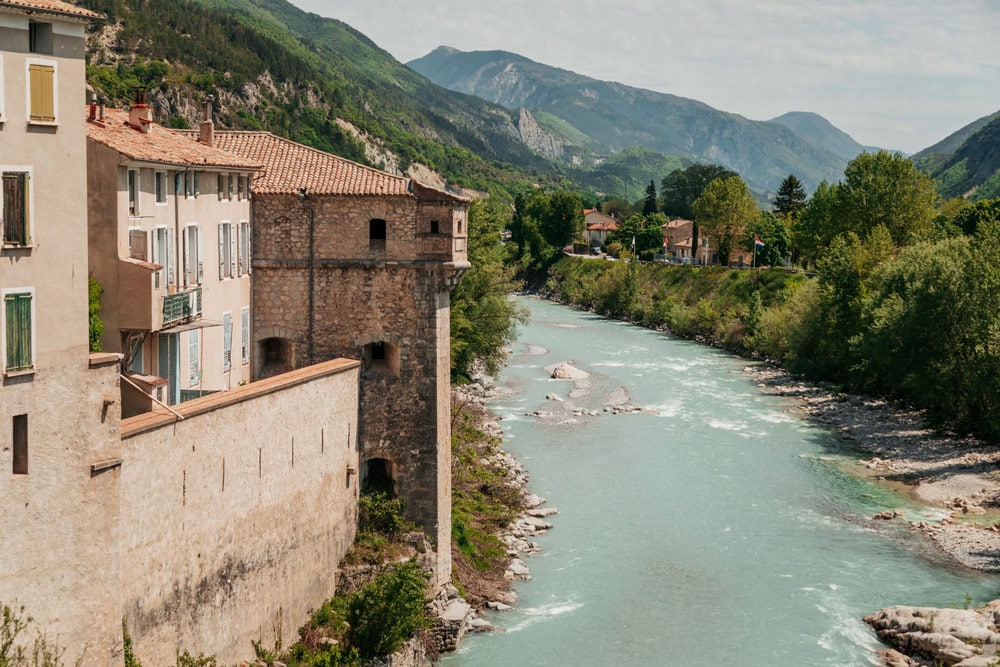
(378, 476)
(276, 356)
(381, 357)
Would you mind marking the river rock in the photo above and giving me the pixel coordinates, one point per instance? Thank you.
(566, 371)
(533, 500)
(965, 637)
(542, 512)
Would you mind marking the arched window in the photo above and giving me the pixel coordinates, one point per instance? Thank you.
(276, 356)
(381, 357)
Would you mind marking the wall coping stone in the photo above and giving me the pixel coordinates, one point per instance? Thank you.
(159, 417)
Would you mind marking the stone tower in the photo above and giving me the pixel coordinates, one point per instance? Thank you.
(353, 262)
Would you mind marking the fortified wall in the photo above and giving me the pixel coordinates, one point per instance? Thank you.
(232, 520)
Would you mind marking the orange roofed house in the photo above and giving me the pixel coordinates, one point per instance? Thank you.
(170, 245)
(350, 261)
(598, 227)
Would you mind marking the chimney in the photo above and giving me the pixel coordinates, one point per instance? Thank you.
(140, 116)
(92, 103)
(206, 131)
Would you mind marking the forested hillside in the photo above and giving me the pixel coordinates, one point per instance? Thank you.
(272, 66)
(606, 117)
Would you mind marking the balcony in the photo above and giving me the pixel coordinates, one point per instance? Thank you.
(181, 307)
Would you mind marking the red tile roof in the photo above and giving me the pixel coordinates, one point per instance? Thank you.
(52, 6)
(161, 145)
(290, 166)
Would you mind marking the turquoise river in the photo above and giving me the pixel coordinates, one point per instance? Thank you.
(715, 527)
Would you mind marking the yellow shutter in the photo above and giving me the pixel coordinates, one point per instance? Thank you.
(42, 82)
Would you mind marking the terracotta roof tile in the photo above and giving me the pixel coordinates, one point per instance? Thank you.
(53, 6)
(161, 144)
(289, 166)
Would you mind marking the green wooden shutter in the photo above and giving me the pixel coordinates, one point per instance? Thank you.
(17, 318)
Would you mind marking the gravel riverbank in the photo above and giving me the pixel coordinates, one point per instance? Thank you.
(958, 475)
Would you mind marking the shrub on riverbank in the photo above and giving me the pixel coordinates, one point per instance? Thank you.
(483, 504)
(920, 324)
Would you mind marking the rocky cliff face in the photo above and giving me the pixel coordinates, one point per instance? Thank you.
(537, 139)
(606, 117)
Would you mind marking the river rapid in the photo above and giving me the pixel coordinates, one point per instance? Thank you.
(714, 527)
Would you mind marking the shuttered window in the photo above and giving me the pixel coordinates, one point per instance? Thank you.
(194, 360)
(137, 244)
(17, 331)
(244, 248)
(245, 333)
(227, 342)
(42, 85)
(15, 208)
(227, 259)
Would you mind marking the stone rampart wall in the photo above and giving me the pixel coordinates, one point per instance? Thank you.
(234, 519)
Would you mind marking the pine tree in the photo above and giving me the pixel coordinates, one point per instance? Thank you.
(791, 197)
(649, 205)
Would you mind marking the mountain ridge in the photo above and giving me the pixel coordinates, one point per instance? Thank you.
(613, 116)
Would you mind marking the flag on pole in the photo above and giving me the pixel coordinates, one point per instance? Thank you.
(757, 243)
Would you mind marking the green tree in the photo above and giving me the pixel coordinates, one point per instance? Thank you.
(483, 318)
(649, 203)
(886, 189)
(971, 218)
(724, 210)
(791, 197)
(682, 187)
(772, 231)
(817, 225)
(386, 612)
(646, 230)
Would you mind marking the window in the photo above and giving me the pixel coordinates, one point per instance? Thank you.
(163, 253)
(14, 216)
(227, 342)
(133, 191)
(160, 180)
(227, 254)
(242, 186)
(376, 235)
(245, 334)
(137, 244)
(135, 354)
(18, 332)
(196, 188)
(20, 424)
(40, 37)
(42, 97)
(186, 184)
(194, 352)
(194, 269)
(230, 187)
(244, 248)
(434, 226)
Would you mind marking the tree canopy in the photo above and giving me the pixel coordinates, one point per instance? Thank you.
(724, 210)
(682, 187)
(791, 197)
(649, 203)
(483, 318)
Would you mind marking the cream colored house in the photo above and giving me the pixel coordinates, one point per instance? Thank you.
(169, 219)
(58, 402)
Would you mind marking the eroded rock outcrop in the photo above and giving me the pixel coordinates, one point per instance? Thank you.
(962, 637)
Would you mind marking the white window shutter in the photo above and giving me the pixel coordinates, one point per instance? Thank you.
(222, 251)
(201, 264)
(232, 250)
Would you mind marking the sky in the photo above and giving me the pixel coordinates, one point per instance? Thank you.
(898, 74)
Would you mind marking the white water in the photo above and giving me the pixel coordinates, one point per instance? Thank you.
(714, 528)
